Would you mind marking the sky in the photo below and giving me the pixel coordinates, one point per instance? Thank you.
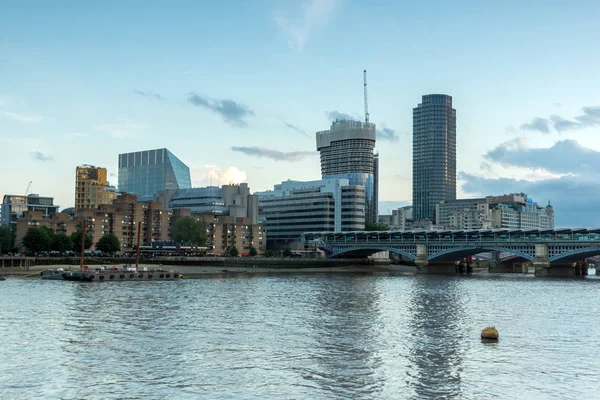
(237, 90)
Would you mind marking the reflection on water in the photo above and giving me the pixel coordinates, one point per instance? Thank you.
(303, 337)
(435, 334)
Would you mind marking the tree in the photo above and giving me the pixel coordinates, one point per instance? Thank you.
(108, 243)
(61, 242)
(37, 239)
(233, 252)
(76, 239)
(371, 227)
(252, 252)
(189, 230)
(7, 239)
(287, 252)
(270, 253)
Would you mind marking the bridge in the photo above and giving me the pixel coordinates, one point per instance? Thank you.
(553, 252)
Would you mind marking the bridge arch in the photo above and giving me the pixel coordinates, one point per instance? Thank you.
(457, 253)
(371, 250)
(576, 255)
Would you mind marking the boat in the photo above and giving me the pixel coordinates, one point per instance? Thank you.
(113, 274)
(59, 274)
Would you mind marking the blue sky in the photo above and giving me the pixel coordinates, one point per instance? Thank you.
(237, 90)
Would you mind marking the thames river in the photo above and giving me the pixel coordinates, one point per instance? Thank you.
(321, 336)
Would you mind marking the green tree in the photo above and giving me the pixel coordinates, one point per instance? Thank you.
(76, 239)
(37, 239)
(252, 252)
(287, 252)
(7, 239)
(371, 227)
(189, 230)
(270, 253)
(108, 243)
(233, 252)
(61, 242)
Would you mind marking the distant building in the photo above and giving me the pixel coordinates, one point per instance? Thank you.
(434, 154)
(231, 200)
(224, 232)
(146, 173)
(92, 187)
(13, 207)
(510, 211)
(399, 219)
(347, 153)
(328, 205)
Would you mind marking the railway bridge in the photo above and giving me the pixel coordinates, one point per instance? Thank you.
(553, 252)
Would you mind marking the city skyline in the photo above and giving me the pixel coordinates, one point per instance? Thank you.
(83, 83)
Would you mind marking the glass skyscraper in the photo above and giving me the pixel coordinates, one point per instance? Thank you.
(146, 173)
(434, 154)
(347, 153)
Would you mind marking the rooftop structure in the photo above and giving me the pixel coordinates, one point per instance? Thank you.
(13, 207)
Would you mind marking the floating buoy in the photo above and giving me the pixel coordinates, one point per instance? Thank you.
(489, 333)
(2, 278)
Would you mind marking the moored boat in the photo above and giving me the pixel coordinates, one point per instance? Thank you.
(60, 274)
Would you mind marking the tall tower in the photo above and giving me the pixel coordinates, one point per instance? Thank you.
(434, 154)
(347, 152)
(92, 187)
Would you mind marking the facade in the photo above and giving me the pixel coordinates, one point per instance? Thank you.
(224, 232)
(347, 153)
(328, 205)
(399, 219)
(510, 211)
(92, 187)
(13, 207)
(434, 154)
(231, 200)
(146, 173)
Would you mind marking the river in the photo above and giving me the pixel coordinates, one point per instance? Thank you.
(321, 336)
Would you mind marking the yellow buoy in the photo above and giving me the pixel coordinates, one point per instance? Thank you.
(489, 333)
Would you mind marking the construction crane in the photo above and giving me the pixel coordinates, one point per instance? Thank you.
(28, 187)
(366, 103)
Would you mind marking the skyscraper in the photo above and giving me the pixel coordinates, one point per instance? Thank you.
(146, 173)
(92, 187)
(347, 153)
(434, 154)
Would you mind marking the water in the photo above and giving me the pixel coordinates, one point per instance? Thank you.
(294, 337)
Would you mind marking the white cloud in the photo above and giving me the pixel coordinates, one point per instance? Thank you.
(300, 25)
(212, 175)
(74, 135)
(22, 117)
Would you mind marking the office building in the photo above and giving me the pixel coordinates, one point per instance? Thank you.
(434, 154)
(146, 173)
(347, 153)
(13, 207)
(224, 232)
(509, 211)
(92, 187)
(399, 219)
(328, 205)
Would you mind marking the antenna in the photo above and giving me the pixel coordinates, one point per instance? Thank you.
(366, 103)
(28, 187)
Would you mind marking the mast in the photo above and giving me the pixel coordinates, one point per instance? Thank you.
(83, 235)
(366, 103)
(137, 253)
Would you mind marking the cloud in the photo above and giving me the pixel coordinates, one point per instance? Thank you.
(274, 154)
(387, 134)
(335, 115)
(231, 111)
(124, 130)
(299, 27)
(589, 117)
(22, 117)
(575, 200)
(38, 155)
(148, 94)
(564, 157)
(295, 128)
(212, 175)
(537, 124)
